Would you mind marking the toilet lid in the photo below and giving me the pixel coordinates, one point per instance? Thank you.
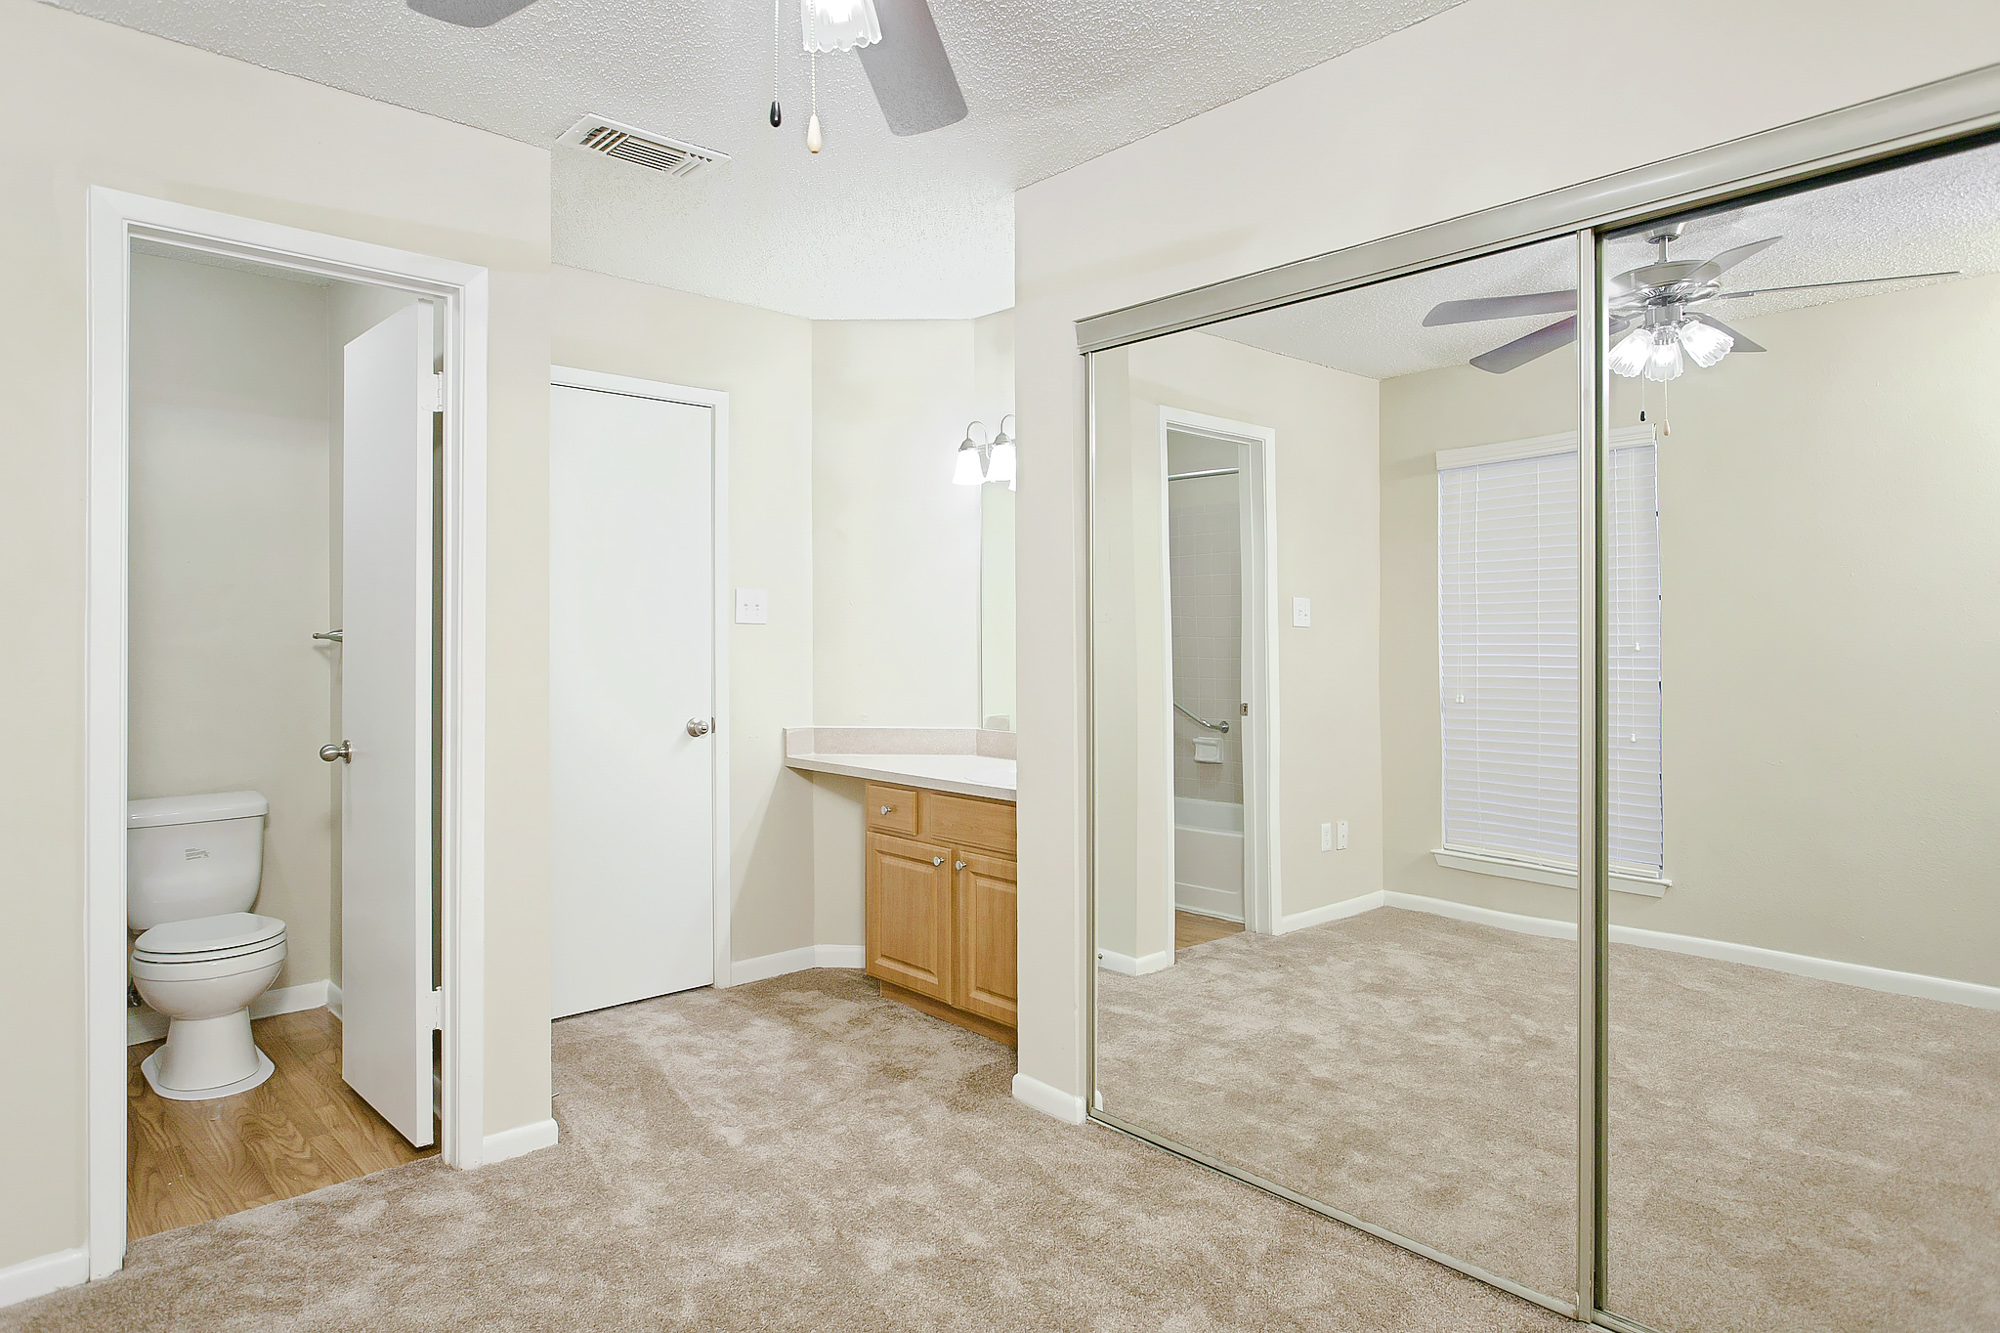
(210, 935)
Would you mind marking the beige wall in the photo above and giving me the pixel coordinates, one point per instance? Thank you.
(1424, 125)
(763, 361)
(148, 116)
(230, 546)
(1325, 470)
(1826, 533)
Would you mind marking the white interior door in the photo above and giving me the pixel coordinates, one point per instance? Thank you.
(388, 1009)
(631, 667)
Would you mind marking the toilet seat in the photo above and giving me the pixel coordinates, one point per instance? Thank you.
(209, 939)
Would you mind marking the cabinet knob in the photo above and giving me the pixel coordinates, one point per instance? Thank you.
(959, 865)
(887, 808)
(937, 860)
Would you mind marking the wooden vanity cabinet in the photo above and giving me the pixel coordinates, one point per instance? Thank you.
(941, 892)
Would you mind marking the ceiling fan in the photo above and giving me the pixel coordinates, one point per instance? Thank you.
(1657, 323)
(897, 41)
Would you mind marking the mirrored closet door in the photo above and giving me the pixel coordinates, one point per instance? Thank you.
(1546, 793)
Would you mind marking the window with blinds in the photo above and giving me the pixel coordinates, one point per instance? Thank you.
(1507, 649)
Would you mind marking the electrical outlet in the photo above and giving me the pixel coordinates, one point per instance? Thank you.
(1302, 612)
(1326, 837)
(1340, 836)
(752, 607)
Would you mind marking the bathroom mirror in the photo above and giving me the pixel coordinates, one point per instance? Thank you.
(1334, 702)
(996, 606)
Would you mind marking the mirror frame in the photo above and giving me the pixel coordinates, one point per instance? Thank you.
(1930, 118)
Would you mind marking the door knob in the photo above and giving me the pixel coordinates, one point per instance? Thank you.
(697, 726)
(340, 752)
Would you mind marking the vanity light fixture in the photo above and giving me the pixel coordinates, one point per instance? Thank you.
(1000, 459)
(971, 467)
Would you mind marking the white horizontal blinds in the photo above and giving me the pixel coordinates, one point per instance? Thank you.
(1632, 666)
(1507, 640)
(1507, 637)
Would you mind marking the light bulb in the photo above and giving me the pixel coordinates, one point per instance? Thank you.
(1704, 342)
(1664, 363)
(968, 471)
(1628, 358)
(1000, 467)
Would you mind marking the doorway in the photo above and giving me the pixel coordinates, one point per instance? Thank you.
(415, 989)
(639, 612)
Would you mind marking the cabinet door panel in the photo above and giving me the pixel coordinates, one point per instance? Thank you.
(986, 914)
(909, 915)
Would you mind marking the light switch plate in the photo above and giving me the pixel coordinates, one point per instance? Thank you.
(1302, 612)
(1340, 836)
(752, 607)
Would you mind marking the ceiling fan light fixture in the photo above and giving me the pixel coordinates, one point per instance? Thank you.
(838, 25)
(1629, 357)
(1704, 342)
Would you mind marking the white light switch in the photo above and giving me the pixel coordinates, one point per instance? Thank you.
(1326, 837)
(1340, 836)
(1302, 612)
(751, 608)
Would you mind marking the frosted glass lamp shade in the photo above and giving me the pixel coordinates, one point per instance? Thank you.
(1704, 342)
(1000, 467)
(838, 25)
(968, 471)
(1628, 358)
(1665, 362)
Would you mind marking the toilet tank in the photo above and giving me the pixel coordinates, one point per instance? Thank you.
(192, 856)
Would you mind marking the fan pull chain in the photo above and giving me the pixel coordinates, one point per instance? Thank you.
(777, 24)
(812, 124)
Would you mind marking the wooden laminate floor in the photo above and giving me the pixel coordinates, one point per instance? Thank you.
(299, 1130)
(1192, 928)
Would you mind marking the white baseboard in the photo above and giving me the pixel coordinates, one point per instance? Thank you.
(796, 960)
(38, 1277)
(1126, 965)
(333, 1000)
(1202, 900)
(1319, 916)
(143, 1025)
(1048, 1100)
(1914, 984)
(517, 1141)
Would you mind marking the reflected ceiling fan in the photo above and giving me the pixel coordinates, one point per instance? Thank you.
(897, 41)
(1657, 320)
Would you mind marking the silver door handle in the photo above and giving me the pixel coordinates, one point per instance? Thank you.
(937, 860)
(331, 636)
(960, 865)
(697, 726)
(340, 752)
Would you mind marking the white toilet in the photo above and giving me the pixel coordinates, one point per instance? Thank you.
(193, 864)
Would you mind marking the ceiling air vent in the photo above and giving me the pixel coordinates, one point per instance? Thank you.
(653, 151)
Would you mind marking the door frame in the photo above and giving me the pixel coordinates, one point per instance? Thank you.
(717, 401)
(115, 220)
(1257, 497)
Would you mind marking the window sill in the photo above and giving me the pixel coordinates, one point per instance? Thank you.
(1485, 863)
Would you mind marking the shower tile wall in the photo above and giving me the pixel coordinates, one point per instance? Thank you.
(1204, 562)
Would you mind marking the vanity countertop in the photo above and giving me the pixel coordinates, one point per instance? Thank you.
(964, 760)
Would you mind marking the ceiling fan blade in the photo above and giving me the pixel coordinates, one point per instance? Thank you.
(1500, 307)
(469, 13)
(1847, 282)
(1739, 344)
(1523, 350)
(1729, 259)
(910, 72)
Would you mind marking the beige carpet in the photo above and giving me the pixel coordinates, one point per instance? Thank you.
(793, 1154)
(1785, 1153)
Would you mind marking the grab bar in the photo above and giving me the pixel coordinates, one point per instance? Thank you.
(1201, 721)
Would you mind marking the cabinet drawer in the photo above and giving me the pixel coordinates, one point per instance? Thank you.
(890, 809)
(964, 821)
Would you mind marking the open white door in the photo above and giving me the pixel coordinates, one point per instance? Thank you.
(388, 1007)
(631, 698)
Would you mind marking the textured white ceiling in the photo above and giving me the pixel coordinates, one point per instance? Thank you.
(874, 226)
(1929, 217)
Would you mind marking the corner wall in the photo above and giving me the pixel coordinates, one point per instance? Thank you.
(1424, 125)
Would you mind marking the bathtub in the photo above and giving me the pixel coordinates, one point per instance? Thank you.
(1208, 857)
